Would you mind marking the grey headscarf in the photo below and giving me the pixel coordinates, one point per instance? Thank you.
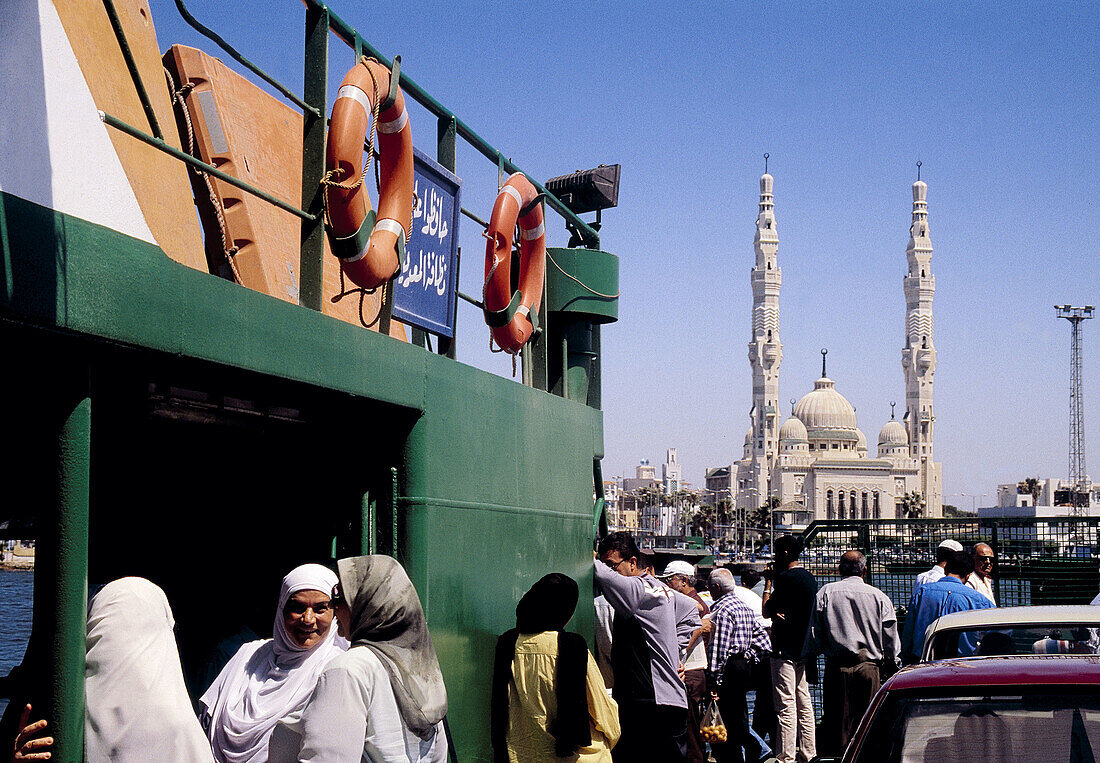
(386, 617)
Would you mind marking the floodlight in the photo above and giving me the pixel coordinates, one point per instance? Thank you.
(588, 190)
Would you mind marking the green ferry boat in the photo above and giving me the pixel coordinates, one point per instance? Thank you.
(183, 409)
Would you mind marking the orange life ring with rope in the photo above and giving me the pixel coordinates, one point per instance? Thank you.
(369, 244)
(514, 316)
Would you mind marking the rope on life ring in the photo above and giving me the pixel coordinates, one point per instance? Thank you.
(513, 317)
(370, 244)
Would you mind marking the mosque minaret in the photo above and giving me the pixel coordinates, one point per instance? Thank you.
(765, 349)
(918, 358)
(816, 464)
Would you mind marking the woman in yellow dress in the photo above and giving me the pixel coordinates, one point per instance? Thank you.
(549, 699)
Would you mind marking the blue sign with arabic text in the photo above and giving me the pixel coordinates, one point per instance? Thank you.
(424, 290)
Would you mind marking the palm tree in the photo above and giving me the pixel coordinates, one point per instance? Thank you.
(684, 501)
(702, 520)
(685, 498)
(912, 505)
(761, 518)
(722, 510)
(1032, 486)
(648, 497)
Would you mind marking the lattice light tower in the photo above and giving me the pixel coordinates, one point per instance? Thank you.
(1077, 474)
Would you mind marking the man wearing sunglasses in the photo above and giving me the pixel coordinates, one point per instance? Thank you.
(645, 655)
(981, 579)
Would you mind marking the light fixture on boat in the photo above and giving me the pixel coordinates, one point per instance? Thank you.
(587, 191)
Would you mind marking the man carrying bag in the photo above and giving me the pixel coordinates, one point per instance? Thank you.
(738, 640)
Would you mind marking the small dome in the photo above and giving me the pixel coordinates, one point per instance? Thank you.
(893, 434)
(748, 437)
(793, 429)
(861, 441)
(825, 408)
(766, 184)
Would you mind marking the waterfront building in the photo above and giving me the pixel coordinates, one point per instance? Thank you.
(612, 492)
(644, 477)
(717, 481)
(671, 476)
(816, 465)
(1052, 498)
(647, 505)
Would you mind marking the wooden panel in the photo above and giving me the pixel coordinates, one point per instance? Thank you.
(159, 181)
(244, 131)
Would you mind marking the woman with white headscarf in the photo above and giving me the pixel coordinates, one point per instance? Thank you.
(384, 699)
(136, 706)
(271, 679)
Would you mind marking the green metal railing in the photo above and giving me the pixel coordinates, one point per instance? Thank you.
(349, 35)
(183, 156)
(320, 20)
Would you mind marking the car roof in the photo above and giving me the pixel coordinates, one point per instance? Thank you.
(1077, 614)
(1016, 670)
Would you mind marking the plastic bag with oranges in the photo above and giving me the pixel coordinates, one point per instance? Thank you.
(712, 729)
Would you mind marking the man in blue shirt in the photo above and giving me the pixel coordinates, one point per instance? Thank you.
(934, 600)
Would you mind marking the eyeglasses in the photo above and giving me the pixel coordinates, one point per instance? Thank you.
(299, 608)
(614, 566)
(986, 558)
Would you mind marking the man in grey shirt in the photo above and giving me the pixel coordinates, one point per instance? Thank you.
(645, 655)
(855, 626)
(602, 648)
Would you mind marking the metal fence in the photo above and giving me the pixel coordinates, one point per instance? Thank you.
(1039, 561)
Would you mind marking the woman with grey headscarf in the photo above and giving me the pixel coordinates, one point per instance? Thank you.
(384, 699)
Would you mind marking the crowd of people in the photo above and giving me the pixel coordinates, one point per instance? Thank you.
(665, 652)
(350, 672)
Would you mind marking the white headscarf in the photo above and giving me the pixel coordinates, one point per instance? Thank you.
(137, 708)
(268, 680)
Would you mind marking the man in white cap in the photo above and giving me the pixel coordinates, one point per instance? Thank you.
(680, 577)
(934, 574)
(943, 553)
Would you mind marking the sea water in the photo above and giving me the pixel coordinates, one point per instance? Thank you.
(16, 600)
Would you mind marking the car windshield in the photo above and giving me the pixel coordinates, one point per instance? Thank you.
(1024, 639)
(1005, 728)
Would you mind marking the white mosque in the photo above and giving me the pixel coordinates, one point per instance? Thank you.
(817, 463)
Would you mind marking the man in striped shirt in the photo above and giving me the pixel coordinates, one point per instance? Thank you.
(738, 641)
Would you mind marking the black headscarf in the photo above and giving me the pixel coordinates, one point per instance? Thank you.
(548, 606)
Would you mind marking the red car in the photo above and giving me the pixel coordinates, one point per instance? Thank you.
(1017, 708)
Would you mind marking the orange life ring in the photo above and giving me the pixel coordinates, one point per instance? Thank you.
(514, 317)
(371, 246)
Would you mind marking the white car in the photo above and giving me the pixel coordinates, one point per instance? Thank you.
(1014, 631)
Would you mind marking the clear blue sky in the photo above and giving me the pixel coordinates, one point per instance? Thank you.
(999, 101)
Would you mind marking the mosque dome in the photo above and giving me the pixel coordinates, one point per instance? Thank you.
(826, 409)
(861, 441)
(793, 429)
(748, 437)
(893, 434)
